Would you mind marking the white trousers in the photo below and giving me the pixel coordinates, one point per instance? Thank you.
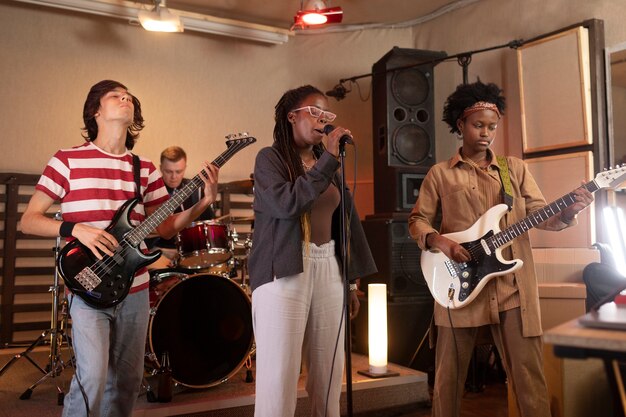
(297, 321)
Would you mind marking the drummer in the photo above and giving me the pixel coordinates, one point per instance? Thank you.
(173, 165)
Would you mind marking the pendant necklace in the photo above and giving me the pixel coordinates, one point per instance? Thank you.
(305, 166)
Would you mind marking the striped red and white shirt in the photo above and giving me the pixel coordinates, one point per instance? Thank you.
(92, 185)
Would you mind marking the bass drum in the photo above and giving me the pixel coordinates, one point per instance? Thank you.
(204, 322)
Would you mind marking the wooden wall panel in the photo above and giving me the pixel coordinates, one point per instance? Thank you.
(557, 176)
(554, 78)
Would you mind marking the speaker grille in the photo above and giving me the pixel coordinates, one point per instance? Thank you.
(396, 255)
(405, 268)
(411, 144)
(410, 87)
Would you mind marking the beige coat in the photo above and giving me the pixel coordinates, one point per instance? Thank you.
(461, 193)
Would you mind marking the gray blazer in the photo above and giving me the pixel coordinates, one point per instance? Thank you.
(278, 205)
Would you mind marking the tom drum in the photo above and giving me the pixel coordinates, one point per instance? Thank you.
(204, 244)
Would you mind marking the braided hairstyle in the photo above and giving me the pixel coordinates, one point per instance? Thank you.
(283, 130)
(92, 105)
(466, 95)
(283, 137)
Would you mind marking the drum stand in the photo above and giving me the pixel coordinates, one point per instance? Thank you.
(247, 244)
(56, 335)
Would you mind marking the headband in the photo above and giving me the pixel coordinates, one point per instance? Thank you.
(478, 106)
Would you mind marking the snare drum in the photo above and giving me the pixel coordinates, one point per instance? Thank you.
(204, 244)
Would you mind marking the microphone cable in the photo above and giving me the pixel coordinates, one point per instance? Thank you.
(456, 354)
(73, 347)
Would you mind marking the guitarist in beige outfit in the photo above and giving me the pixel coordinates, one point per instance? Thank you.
(461, 190)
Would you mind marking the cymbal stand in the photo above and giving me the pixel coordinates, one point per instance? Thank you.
(247, 245)
(56, 335)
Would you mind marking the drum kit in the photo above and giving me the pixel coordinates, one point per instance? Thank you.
(200, 309)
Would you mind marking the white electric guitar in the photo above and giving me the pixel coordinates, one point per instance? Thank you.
(455, 285)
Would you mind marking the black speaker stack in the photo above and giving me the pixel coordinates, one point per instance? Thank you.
(404, 149)
(403, 126)
(397, 256)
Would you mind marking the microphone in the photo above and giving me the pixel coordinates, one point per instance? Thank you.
(343, 140)
(338, 91)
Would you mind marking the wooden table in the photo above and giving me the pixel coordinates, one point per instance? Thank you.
(573, 340)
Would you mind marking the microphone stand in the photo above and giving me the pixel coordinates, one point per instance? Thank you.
(346, 283)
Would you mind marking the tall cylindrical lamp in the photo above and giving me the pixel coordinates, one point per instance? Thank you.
(377, 331)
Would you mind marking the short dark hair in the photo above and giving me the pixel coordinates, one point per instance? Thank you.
(466, 95)
(92, 105)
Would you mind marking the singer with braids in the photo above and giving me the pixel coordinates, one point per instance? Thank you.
(461, 189)
(295, 262)
(91, 181)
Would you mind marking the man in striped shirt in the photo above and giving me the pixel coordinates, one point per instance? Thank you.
(92, 181)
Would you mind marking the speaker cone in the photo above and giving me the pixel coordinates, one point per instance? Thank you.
(410, 87)
(411, 144)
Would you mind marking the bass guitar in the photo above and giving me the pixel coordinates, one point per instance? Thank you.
(105, 282)
(455, 285)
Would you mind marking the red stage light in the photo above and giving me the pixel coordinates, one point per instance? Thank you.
(318, 16)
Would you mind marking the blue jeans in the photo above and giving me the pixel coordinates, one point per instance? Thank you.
(109, 345)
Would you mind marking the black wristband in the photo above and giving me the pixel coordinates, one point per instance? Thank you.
(66, 229)
(426, 245)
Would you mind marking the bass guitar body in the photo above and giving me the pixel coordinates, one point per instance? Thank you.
(106, 282)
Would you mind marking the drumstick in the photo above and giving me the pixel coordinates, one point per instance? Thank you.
(223, 217)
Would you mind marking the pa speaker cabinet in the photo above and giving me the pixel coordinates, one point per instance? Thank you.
(408, 321)
(397, 256)
(403, 124)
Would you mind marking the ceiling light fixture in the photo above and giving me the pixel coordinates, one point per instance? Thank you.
(315, 13)
(194, 22)
(160, 19)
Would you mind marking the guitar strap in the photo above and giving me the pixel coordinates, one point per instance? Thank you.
(505, 178)
(137, 175)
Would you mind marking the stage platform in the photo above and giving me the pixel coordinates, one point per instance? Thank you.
(233, 398)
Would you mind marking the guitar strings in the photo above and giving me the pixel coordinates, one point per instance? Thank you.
(493, 241)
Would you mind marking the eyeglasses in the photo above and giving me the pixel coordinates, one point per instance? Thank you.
(318, 113)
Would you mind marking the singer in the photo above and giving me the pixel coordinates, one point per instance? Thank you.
(294, 265)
